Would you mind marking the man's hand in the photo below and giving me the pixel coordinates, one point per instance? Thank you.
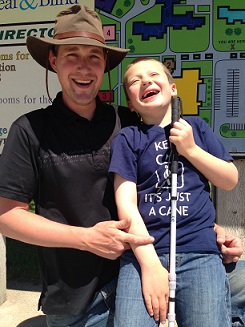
(230, 245)
(108, 239)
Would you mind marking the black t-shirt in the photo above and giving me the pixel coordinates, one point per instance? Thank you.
(61, 160)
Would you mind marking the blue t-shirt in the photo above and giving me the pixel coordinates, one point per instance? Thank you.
(141, 154)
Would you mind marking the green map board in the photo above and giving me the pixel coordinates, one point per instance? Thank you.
(201, 42)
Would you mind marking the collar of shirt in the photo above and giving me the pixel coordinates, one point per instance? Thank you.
(102, 112)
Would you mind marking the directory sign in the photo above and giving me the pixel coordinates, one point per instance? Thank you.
(201, 42)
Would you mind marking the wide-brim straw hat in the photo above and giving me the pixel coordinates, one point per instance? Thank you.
(76, 25)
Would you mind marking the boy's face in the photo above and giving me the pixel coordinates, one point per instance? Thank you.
(148, 87)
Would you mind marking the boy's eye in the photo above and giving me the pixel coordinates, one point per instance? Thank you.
(134, 81)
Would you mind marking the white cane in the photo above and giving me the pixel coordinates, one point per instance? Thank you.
(174, 174)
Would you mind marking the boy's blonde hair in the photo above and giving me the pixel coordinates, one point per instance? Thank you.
(135, 61)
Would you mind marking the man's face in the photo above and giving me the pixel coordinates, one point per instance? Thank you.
(80, 69)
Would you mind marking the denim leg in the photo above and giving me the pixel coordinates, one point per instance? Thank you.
(99, 314)
(202, 293)
(130, 307)
(236, 276)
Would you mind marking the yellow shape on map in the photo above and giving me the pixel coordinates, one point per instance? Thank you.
(187, 87)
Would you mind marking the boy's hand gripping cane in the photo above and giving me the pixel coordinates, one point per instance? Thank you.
(174, 174)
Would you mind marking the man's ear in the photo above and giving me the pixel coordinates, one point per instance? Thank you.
(130, 106)
(106, 60)
(52, 60)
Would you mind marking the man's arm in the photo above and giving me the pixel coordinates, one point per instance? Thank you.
(106, 239)
(231, 246)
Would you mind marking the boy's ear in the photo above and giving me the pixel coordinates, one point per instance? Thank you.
(174, 89)
(130, 106)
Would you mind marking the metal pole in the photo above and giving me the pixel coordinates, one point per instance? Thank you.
(174, 175)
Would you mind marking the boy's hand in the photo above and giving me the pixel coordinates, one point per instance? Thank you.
(155, 289)
(181, 135)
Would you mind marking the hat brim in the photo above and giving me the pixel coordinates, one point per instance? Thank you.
(39, 49)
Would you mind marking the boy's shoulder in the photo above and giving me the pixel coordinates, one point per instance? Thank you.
(194, 119)
(127, 117)
(197, 122)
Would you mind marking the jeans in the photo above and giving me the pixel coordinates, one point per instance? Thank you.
(236, 276)
(99, 314)
(202, 292)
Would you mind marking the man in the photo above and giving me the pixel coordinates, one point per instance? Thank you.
(232, 249)
(59, 157)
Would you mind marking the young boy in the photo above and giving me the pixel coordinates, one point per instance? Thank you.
(140, 163)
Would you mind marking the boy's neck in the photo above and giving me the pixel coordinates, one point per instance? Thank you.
(161, 120)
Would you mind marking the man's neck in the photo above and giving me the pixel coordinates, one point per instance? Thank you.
(86, 111)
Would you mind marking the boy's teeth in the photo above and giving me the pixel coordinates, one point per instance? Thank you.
(149, 94)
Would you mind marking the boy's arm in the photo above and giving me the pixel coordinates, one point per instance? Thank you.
(220, 173)
(154, 275)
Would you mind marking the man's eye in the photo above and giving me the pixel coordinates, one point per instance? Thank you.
(72, 55)
(96, 57)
